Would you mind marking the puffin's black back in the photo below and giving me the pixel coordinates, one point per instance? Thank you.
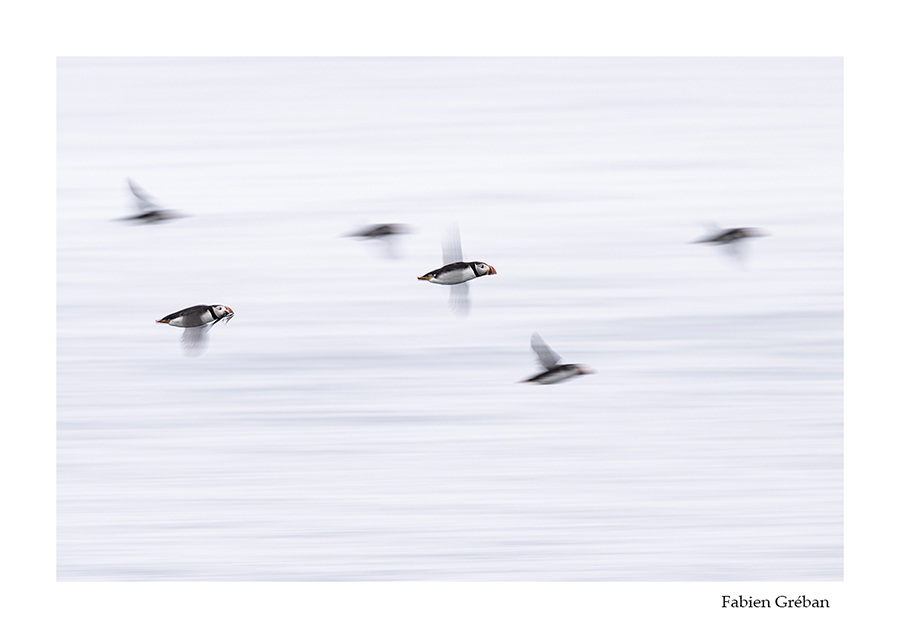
(187, 311)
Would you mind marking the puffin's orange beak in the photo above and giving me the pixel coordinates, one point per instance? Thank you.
(493, 270)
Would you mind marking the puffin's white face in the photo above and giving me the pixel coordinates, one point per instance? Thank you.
(484, 269)
(223, 311)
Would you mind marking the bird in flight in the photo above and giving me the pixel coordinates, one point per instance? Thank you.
(196, 321)
(385, 233)
(730, 238)
(149, 212)
(554, 371)
(457, 273)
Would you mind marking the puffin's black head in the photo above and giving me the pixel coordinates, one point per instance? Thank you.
(482, 269)
(221, 312)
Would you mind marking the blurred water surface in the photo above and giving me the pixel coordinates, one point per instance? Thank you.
(346, 425)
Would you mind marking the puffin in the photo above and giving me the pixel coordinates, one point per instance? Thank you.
(459, 272)
(384, 233)
(196, 321)
(377, 231)
(149, 211)
(456, 272)
(554, 372)
(723, 236)
(730, 238)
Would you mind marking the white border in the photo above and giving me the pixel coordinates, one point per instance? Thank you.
(35, 34)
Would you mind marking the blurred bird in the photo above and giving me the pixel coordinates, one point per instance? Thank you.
(730, 238)
(149, 211)
(196, 321)
(457, 272)
(376, 231)
(385, 233)
(728, 235)
(554, 372)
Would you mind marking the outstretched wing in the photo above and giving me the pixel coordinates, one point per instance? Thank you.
(145, 203)
(452, 246)
(194, 340)
(545, 355)
(459, 298)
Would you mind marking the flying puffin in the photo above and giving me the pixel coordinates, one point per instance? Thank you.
(150, 211)
(376, 231)
(457, 272)
(196, 321)
(730, 238)
(385, 233)
(554, 372)
(729, 235)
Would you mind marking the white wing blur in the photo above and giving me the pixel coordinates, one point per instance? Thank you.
(459, 298)
(144, 202)
(545, 355)
(194, 340)
(452, 246)
(452, 252)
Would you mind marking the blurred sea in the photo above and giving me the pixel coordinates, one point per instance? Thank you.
(346, 425)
